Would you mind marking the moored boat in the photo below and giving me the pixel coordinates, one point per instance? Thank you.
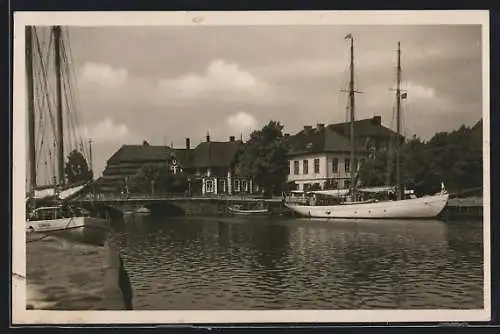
(235, 210)
(419, 207)
(48, 207)
(143, 211)
(398, 203)
(61, 221)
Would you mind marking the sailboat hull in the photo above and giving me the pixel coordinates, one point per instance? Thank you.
(89, 230)
(423, 207)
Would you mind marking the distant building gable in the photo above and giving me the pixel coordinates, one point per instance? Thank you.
(477, 134)
(143, 153)
(214, 154)
(319, 140)
(369, 127)
(336, 137)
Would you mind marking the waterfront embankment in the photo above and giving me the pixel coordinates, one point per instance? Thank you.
(63, 275)
(460, 208)
(470, 207)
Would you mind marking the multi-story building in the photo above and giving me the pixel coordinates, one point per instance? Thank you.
(321, 154)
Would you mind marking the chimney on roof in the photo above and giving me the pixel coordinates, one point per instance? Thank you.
(287, 135)
(307, 128)
(320, 126)
(377, 120)
(188, 143)
(208, 138)
(231, 138)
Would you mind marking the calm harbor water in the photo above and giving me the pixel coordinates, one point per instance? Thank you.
(259, 263)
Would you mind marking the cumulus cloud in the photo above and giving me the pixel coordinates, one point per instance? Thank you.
(241, 122)
(103, 74)
(420, 91)
(107, 131)
(219, 77)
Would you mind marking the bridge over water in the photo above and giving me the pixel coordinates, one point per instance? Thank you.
(177, 203)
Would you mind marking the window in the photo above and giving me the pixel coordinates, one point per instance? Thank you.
(209, 186)
(355, 164)
(306, 186)
(316, 166)
(335, 165)
(305, 167)
(347, 165)
(223, 185)
(347, 184)
(371, 151)
(236, 185)
(244, 185)
(361, 162)
(289, 168)
(296, 167)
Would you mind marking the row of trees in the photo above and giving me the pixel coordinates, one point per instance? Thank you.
(156, 179)
(454, 158)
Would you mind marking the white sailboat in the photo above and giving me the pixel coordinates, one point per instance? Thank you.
(48, 209)
(346, 201)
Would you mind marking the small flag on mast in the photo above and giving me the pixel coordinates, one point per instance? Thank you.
(348, 36)
(404, 96)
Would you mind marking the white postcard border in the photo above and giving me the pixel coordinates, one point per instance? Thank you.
(22, 316)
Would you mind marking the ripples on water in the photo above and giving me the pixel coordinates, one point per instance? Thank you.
(206, 263)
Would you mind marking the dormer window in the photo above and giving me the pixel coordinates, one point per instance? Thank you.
(309, 146)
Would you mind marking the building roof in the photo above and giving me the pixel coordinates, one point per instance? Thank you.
(149, 153)
(336, 137)
(314, 141)
(214, 154)
(369, 127)
(206, 154)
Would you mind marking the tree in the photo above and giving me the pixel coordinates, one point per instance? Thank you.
(449, 157)
(264, 158)
(158, 178)
(77, 169)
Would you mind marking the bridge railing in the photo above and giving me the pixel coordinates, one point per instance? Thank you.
(111, 197)
(124, 197)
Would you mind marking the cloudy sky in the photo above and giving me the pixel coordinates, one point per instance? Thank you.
(163, 84)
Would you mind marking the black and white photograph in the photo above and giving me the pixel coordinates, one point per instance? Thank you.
(248, 167)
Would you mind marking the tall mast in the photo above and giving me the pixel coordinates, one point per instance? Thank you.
(352, 114)
(60, 138)
(91, 158)
(31, 109)
(398, 126)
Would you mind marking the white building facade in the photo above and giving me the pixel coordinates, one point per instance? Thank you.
(321, 156)
(308, 170)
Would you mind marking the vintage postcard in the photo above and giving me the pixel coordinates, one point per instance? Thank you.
(251, 167)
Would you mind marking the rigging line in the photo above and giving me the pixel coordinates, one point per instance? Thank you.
(48, 50)
(76, 139)
(72, 140)
(74, 111)
(71, 77)
(41, 120)
(41, 129)
(45, 87)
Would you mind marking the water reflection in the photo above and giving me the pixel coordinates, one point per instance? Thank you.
(227, 263)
